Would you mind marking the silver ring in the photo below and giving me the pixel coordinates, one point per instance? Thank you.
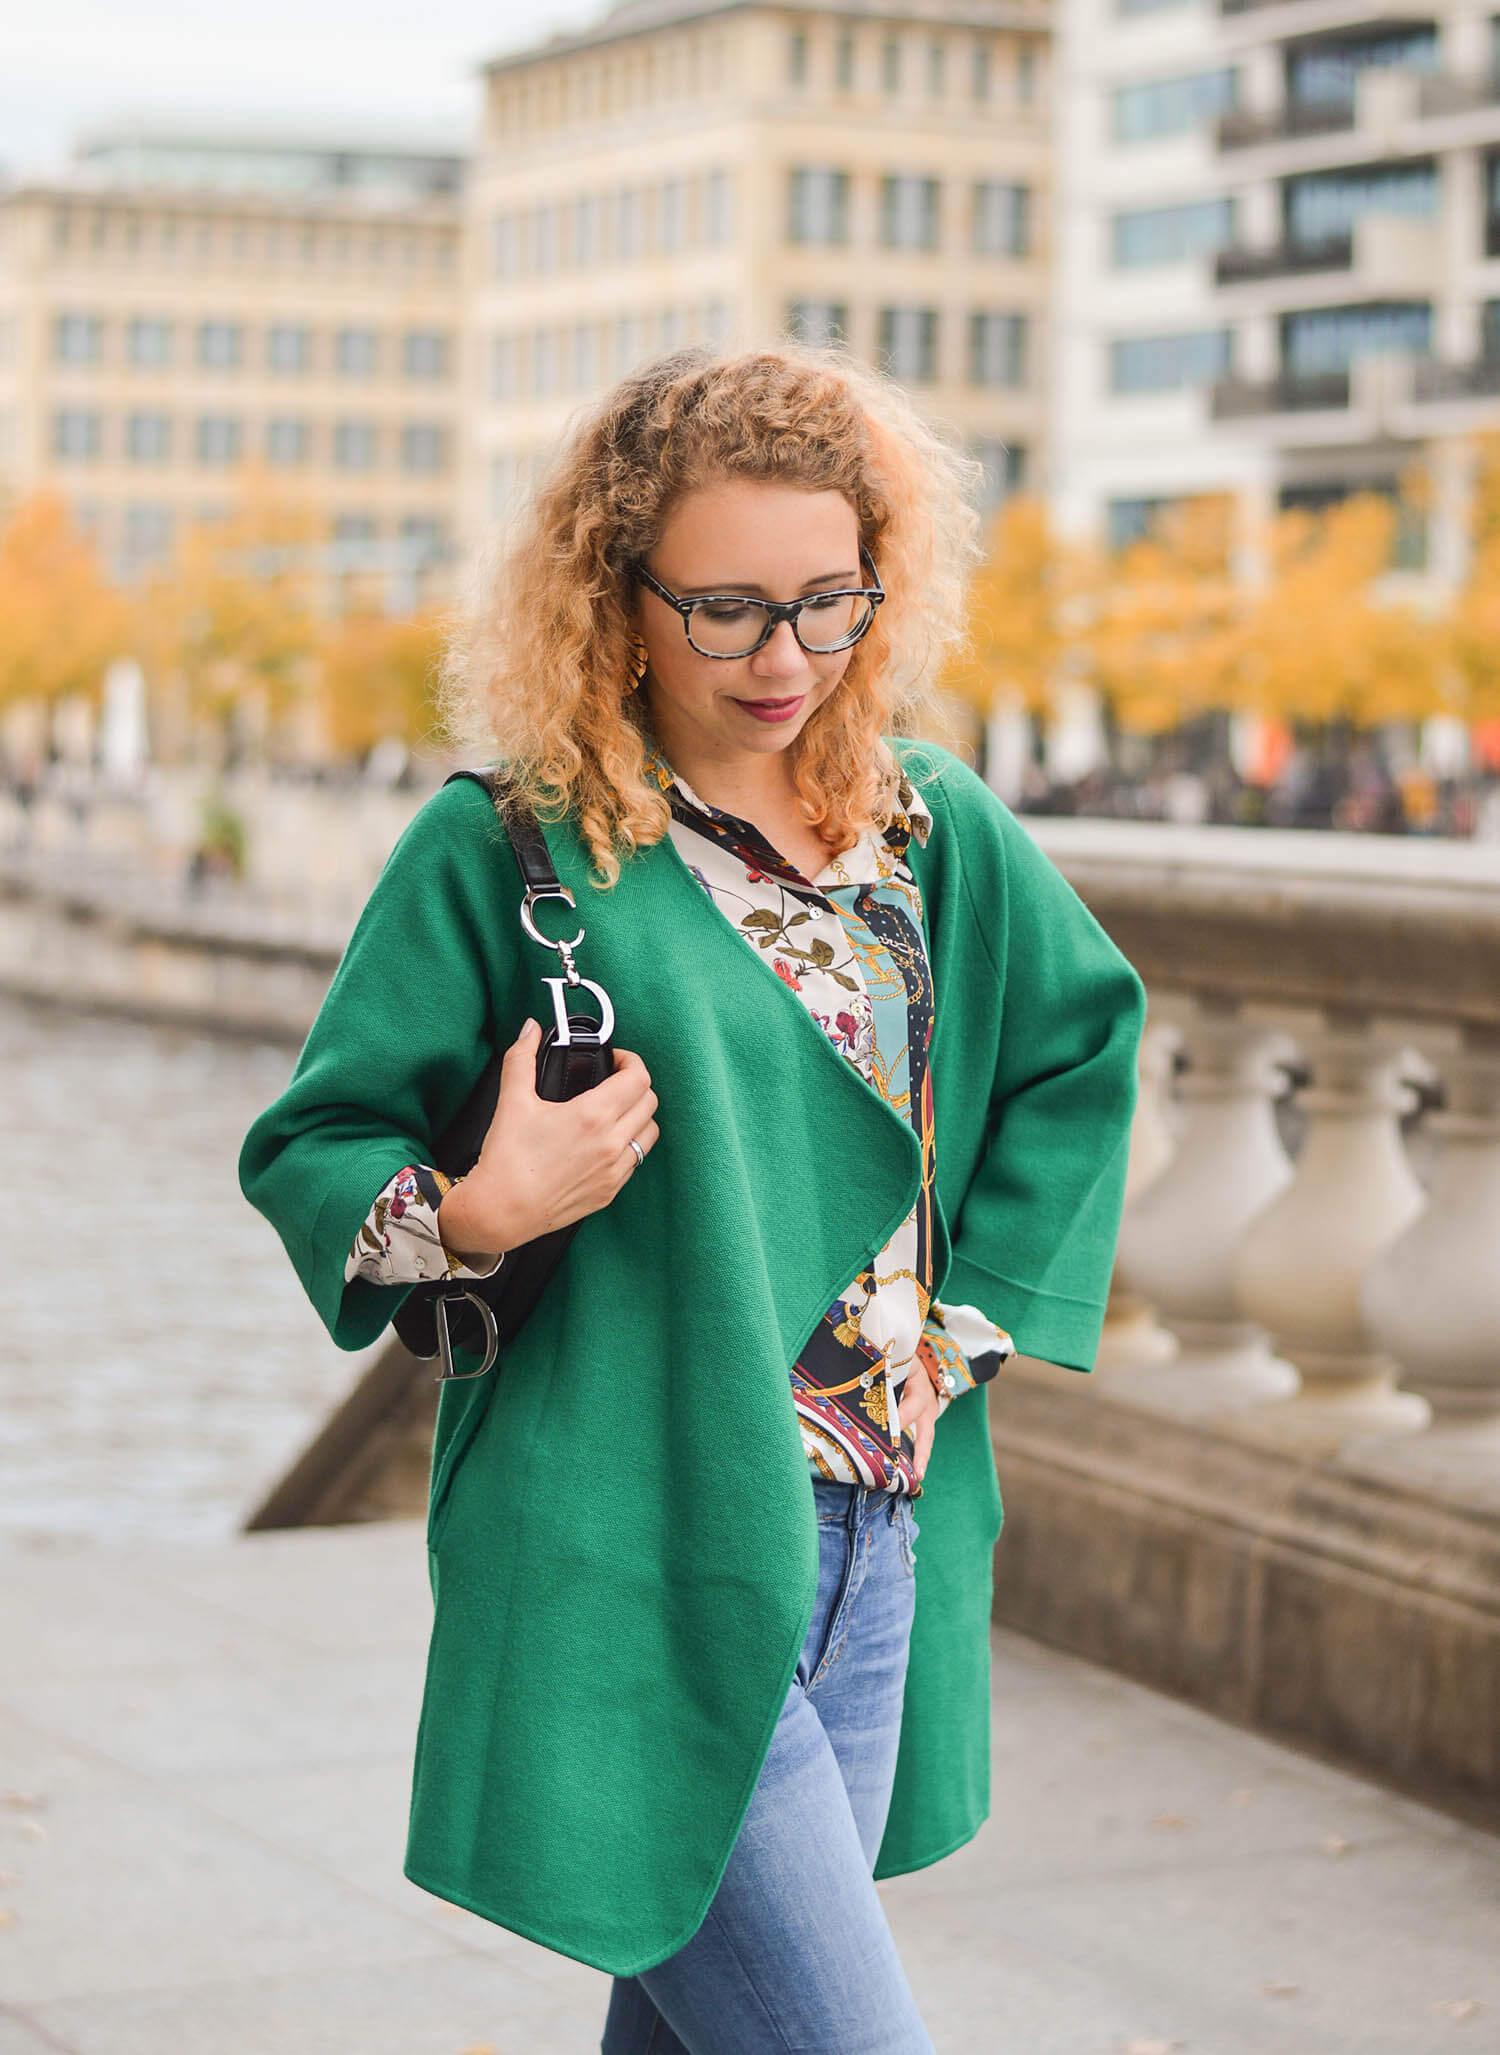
(640, 1154)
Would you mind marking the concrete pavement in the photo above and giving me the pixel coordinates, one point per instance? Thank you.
(204, 1755)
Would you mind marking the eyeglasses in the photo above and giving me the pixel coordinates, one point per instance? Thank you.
(730, 624)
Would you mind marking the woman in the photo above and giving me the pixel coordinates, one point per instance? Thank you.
(686, 1695)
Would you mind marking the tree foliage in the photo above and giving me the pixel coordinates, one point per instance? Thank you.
(61, 621)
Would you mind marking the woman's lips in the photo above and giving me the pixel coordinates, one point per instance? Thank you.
(772, 709)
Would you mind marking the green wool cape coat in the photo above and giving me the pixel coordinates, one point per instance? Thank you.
(622, 1543)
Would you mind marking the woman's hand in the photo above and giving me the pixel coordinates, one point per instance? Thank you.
(547, 1163)
(917, 1413)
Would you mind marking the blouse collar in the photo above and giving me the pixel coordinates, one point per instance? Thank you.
(871, 861)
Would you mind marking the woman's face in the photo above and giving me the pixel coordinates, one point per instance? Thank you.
(769, 541)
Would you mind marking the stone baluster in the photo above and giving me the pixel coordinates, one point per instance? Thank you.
(1180, 1238)
(1132, 1334)
(1433, 1299)
(1303, 1262)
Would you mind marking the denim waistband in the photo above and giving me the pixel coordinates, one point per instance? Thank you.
(855, 1503)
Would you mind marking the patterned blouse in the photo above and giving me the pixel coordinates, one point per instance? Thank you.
(849, 944)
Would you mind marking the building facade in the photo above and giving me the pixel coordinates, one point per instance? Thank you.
(729, 173)
(1278, 230)
(180, 309)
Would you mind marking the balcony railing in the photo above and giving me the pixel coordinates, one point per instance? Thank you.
(1476, 380)
(1242, 266)
(1234, 399)
(1243, 129)
(1444, 94)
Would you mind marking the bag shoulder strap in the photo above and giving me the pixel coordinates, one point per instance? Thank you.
(520, 823)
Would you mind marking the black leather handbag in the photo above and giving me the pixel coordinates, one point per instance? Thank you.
(576, 1053)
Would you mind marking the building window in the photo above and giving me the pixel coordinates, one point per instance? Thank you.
(908, 343)
(148, 342)
(627, 224)
(1145, 6)
(425, 537)
(1003, 465)
(796, 58)
(817, 205)
(630, 343)
(981, 71)
(505, 485)
(937, 70)
(1155, 108)
(997, 349)
(288, 442)
(1026, 74)
(1489, 329)
(288, 349)
(1168, 363)
(503, 367)
(586, 233)
(219, 345)
(718, 323)
(354, 445)
(148, 438)
(218, 439)
(543, 362)
(146, 536)
(1001, 218)
(843, 62)
(1172, 235)
(355, 530)
(1131, 520)
(1322, 204)
(909, 213)
(1322, 339)
(585, 356)
(355, 352)
(818, 322)
(424, 353)
(1322, 74)
(669, 215)
(78, 339)
(77, 435)
(670, 327)
(890, 64)
(716, 209)
(505, 246)
(543, 240)
(424, 447)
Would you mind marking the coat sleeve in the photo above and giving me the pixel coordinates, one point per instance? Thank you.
(1034, 1242)
(401, 1037)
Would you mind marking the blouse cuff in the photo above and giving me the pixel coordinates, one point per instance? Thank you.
(961, 1349)
(399, 1242)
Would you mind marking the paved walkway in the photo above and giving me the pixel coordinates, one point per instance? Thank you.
(203, 1783)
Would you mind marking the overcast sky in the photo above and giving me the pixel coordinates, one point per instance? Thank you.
(354, 64)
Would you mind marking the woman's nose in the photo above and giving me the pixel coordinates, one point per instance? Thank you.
(782, 656)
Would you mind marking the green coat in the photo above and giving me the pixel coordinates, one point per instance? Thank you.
(621, 1536)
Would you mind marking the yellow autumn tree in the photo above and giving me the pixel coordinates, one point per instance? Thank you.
(1164, 640)
(376, 680)
(1022, 604)
(1319, 645)
(1476, 605)
(61, 621)
(233, 613)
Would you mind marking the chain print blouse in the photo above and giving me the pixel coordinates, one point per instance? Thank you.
(849, 944)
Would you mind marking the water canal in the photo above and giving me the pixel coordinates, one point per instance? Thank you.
(160, 1364)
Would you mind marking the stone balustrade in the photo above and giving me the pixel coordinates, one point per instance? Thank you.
(1339, 1298)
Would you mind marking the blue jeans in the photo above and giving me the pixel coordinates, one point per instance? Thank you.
(794, 1953)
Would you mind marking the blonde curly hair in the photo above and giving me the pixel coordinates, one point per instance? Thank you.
(542, 670)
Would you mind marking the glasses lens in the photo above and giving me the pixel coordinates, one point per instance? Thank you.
(830, 621)
(727, 627)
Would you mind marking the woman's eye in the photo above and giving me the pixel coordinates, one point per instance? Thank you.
(824, 602)
(725, 610)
